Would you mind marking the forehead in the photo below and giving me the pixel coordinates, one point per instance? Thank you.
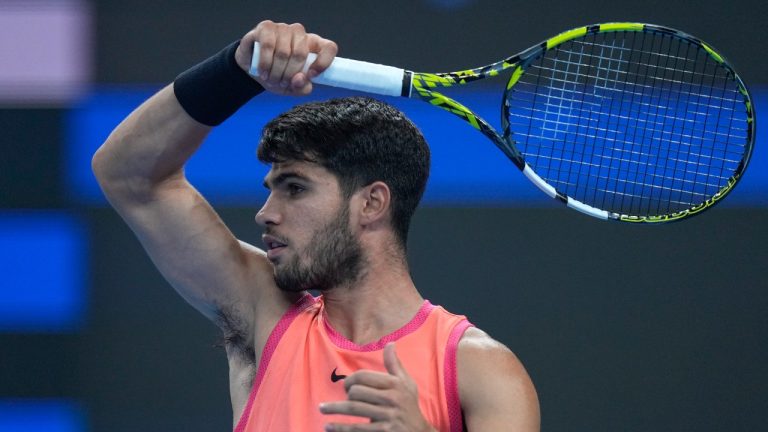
(304, 170)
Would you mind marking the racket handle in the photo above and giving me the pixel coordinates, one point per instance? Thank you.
(351, 74)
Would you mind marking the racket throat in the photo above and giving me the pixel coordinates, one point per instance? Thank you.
(570, 202)
(541, 184)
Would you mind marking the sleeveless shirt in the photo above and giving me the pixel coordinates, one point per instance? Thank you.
(304, 360)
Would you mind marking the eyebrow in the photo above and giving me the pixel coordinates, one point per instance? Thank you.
(282, 178)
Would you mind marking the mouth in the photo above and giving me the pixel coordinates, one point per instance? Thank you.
(274, 246)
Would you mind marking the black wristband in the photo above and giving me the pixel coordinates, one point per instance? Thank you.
(215, 89)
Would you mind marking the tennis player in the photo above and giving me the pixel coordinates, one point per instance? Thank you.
(367, 354)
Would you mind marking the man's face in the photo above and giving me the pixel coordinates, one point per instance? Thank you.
(307, 229)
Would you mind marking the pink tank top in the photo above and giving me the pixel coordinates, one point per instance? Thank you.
(304, 358)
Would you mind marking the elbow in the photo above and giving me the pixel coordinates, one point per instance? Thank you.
(98, 164)
(113, 174)
(102, 166)
(122, 176)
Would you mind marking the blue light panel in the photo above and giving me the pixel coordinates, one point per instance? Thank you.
(30, 415)
(467, 170)
(43, 258)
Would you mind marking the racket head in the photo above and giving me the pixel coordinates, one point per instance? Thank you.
(630, 122)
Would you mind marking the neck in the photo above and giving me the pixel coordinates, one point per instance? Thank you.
(379, 302)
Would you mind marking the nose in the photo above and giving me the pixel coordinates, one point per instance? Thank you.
(268, 214)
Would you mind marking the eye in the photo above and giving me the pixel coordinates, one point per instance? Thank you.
(295, 189)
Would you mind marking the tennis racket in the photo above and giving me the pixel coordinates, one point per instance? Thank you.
(620, 121)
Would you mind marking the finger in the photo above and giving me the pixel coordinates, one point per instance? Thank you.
(299, 51)
(244, 52)
(300, 85)
(392, 362)
(267, 40)
(354, 427)
(280, 57)
(326, 51)
(377, 380)
(370, 395)
(355, 408)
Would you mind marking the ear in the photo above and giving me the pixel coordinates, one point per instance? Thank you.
(376, 202)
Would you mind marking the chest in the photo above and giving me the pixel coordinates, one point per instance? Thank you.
(303, 372)
(304, 360)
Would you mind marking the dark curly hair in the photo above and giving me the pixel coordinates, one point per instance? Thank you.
(360, 140)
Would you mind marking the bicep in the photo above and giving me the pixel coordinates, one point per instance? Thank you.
(495, 390)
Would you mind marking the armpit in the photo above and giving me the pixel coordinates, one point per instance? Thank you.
(235, 337)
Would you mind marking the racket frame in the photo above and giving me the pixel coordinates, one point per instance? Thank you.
(390, 81)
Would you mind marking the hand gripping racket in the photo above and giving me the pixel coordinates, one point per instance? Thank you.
(621, 121)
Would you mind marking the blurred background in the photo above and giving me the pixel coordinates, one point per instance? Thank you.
(631, 328)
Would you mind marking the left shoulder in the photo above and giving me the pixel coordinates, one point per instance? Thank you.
(495, 390)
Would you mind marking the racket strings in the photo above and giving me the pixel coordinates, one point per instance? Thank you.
(633, 123)
(618, 118)
(629, 155)
(649, 54)
(675, 90)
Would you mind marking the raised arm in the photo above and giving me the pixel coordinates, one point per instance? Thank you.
(141, 171)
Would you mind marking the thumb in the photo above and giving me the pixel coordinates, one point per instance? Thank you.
(392, 362)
